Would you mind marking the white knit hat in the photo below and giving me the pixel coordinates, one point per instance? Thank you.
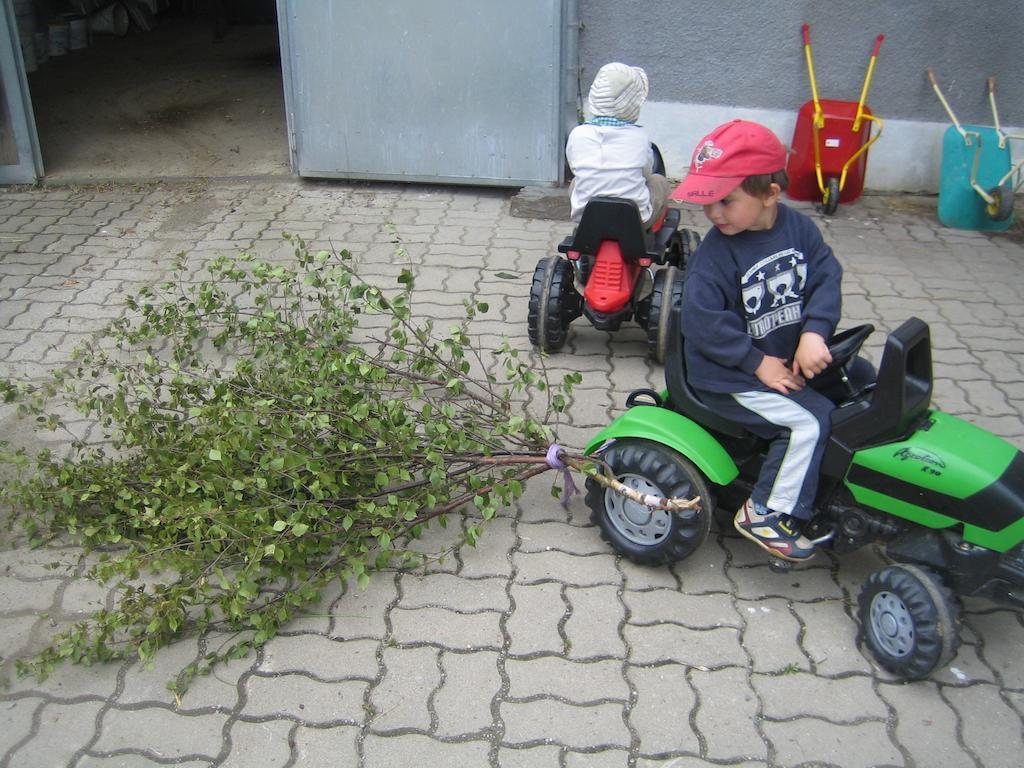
(618, 91)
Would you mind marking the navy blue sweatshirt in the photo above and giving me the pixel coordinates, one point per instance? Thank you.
(752, 294)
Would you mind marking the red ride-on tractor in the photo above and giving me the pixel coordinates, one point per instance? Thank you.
(613, 271)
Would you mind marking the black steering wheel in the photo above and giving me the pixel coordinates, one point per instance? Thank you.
(844, 346)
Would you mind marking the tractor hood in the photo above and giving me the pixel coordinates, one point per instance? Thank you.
(948, 472)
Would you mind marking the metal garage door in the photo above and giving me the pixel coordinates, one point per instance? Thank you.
(20, 160)
(463, 91)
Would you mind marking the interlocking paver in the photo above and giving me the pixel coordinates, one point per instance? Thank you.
(543, 720)
(811, 741)
(606, 758)
(462, 703)
(321, 657)
(588, 570)
(399, 701)
(840, 700)
(664, 703)
(694, 611)
(147, 683)
(17, 722)
(1004, 637)
(572, 681)
(592, 627)
(770, 627)
(489, 556)
(421, 750)
(829, 639)
(447, 628)
(160, 733)
(640, 578)
(536, 621)
(991, 728)
(304, 699)
(260, 745)
(930, 724)
(727, 714)
(449, 591)
(325, 746)
(530, 757)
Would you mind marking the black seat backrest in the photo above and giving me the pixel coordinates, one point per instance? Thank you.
(610, 218)
(681, 396)
(902, 394)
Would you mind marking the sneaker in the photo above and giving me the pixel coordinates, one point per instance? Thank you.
(774, 533)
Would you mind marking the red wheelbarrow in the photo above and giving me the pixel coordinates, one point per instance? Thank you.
(830, 142)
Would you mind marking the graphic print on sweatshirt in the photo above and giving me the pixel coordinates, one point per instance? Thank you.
(773, 292)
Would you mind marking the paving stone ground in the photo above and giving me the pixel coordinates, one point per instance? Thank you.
(538, 648)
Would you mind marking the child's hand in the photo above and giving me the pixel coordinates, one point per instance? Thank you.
(812, 355)
(773, 372)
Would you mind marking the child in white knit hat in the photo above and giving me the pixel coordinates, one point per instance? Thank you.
(610, 154)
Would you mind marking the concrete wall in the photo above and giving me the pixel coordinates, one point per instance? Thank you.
(710, 61)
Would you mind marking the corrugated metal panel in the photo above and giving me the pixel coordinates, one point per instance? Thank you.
(465, 91)
(20, 159)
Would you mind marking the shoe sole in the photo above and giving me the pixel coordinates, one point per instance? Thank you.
(773, 552)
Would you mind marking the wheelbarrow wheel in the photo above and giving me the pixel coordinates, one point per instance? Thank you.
(1001, 207)
(830, 200)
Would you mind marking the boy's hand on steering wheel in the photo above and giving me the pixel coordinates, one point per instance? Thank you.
(812, 355)
(774, 373)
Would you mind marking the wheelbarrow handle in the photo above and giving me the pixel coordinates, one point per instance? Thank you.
(992, 85)
(805, 30)
(931, 77)
(878, 44)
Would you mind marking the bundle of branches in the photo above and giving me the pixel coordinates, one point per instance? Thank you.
(260, 442)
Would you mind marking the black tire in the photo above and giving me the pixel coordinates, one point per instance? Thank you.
(909, 620)
(675, 255)
(554, 304)
(645, 536)
(681, 247)
(659, 161)
(585, 266)
(1001, 207)
(830, 200)
(668, 289)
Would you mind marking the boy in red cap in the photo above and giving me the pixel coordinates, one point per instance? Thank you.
(761, 300)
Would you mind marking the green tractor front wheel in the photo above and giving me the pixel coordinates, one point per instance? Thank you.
(909, 620)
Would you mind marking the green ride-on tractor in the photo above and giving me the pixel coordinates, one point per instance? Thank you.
(944, 497)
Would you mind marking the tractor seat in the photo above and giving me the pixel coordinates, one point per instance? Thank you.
(681, 396)
(618, 219)
(902, 394)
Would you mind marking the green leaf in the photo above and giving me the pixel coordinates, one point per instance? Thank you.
(214, 454)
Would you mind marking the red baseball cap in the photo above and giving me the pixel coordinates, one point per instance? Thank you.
(725, 157)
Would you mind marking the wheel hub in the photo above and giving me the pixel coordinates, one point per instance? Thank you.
(892, 624)
(635, 521)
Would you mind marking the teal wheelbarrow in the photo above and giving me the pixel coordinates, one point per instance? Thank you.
(978, 178)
